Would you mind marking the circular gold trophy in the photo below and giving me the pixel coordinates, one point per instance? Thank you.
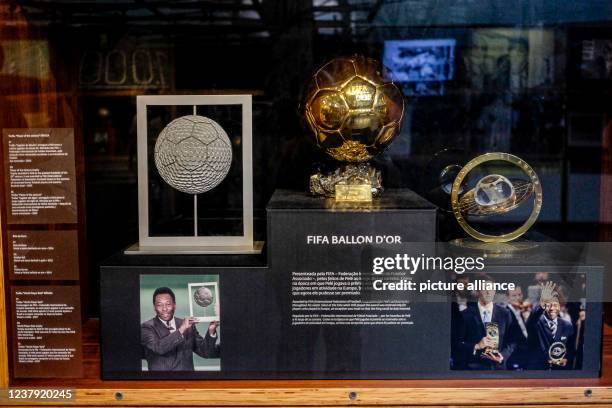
(495, 194)
(556, 354)
(353, 112)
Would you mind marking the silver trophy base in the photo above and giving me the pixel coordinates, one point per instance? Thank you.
(136, 249)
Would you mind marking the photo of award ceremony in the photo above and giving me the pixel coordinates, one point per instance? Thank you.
(537, 325)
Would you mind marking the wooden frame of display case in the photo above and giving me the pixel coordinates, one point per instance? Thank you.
(91, 391)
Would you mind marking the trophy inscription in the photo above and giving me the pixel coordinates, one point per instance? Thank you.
(353, 192)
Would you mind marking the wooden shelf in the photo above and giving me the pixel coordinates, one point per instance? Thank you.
(92, 391)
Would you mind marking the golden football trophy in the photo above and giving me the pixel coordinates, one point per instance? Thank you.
(353, 112)
(495, 194)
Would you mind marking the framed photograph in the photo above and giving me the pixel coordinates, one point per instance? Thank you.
(166, 301)
(550, 307)
(421, 66)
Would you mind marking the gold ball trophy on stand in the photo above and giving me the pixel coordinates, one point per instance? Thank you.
(495, 195)
(354, 112)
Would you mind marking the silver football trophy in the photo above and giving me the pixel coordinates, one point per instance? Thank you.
(193, 155)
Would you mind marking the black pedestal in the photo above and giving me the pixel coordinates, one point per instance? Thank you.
(312, 308)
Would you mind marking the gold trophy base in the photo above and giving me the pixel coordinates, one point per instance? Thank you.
(349, 183)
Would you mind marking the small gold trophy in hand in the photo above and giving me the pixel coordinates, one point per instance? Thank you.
(491, 351)
(556, 354)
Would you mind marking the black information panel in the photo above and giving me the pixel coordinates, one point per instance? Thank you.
(348, 292)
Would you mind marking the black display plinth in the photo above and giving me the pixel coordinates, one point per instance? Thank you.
(316, 244)
(126, 302)
(317, 306)
(299, 226)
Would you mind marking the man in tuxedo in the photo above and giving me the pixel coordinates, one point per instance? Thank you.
(546, 328)
(477, 347)
(169, 342)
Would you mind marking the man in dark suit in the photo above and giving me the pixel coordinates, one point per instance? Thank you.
(169, 342)
(545, 328)
(477, 347)
(519, 311)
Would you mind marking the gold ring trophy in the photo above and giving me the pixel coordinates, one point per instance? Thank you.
(353, 112)
(495, 195)
(556, 353)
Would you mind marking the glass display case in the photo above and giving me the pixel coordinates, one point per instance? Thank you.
(330, 199)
